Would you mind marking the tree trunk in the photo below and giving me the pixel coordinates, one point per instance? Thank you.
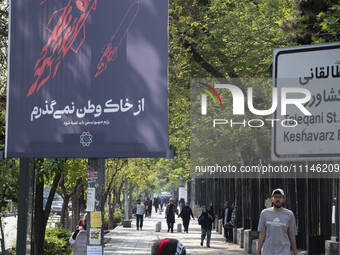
(82, 199)
(64, 210)
(3, 248)
(39, 224)
(74, 220)
(41, 216)
(119, 191)
(66, 198)
(77, 205)
(111, 212)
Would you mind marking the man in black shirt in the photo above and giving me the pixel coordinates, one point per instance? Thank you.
(185, 215)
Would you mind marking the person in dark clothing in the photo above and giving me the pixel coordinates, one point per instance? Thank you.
(176, 202)
(150, 208)
(146, 203)
(185, 215)
(170, 212)
(226, 221)
(162, 203)
(181, 204)
(156, 203)
(208, 217)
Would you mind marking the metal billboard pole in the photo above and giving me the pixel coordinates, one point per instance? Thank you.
(25, 211)
(95, 206)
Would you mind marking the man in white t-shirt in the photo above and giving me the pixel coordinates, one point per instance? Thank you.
(140, 210)
(277, 228)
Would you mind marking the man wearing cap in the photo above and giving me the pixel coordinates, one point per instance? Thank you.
(277, 228)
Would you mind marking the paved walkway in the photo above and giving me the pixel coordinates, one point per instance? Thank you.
(131, 241)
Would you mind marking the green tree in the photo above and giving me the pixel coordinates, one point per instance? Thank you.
(329, 21)
(113, 186)
(73, 177)
(223, 39)
(9, 186)
(47, 171)
(314, 22)
(4, 10)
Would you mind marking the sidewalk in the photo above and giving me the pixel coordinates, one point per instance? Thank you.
(131, 241)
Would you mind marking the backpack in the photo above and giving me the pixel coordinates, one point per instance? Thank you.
(200, 219)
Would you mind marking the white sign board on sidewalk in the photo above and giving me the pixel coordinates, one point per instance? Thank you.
(94, 250)
(317, 136)
(91, 199)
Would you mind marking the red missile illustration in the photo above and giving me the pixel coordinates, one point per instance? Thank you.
(111, 48)
(67, 33)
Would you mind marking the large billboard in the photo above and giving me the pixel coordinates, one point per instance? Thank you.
(88, 78)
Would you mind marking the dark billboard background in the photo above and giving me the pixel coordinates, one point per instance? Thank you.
(88, 78)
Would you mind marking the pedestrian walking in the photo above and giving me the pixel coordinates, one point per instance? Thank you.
(233, 218)
(150, 208)
(170, 212)
(206, 220)
(226, 222)
(185, 215)
(156, 203)
(181, 204)
(148, 205)
(78, 238)
(277, 227)
(140, 209)
(162, 203)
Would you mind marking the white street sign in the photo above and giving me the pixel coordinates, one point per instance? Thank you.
(315, 136)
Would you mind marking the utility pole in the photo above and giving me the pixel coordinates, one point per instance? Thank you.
(95, 206)
(25, 210)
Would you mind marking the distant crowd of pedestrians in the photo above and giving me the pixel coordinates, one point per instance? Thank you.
(277, 226)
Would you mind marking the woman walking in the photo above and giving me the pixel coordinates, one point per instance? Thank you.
(170, 212)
